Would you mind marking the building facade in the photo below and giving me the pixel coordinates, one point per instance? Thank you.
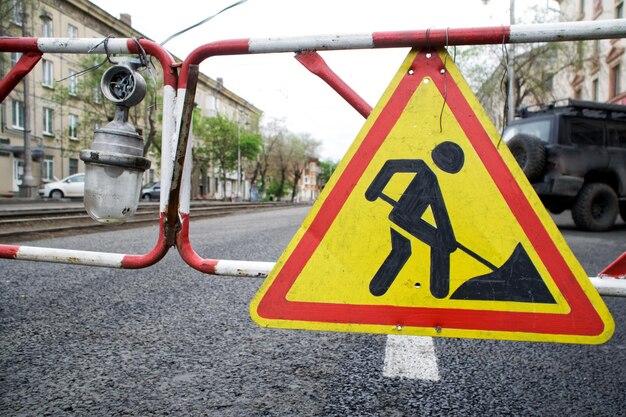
(599, 75)
(309, 187)
(57, 111)
(214, 99)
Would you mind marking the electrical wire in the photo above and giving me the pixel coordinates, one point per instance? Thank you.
(104, 41)
(202, 21)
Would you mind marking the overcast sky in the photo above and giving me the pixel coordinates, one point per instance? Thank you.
(277, 83)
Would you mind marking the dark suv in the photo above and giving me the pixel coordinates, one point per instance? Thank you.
(574, 154)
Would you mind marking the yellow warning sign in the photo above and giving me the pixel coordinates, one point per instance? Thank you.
(429, 227)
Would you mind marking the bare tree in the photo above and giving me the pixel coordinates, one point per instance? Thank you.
(303, 149)
(273, 135)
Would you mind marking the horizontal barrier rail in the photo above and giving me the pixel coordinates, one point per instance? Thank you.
(179, 85)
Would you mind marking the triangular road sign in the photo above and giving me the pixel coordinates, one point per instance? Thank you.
(429, 227)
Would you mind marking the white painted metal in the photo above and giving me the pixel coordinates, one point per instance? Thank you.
(185, 186)
(168, 149)
(168, 145)
(548, 32)
(605, 286)
(411, 357)
(568, 31)
(82, 45)
(304, 43)
(69, 256)
(244, 268)
(609, 286)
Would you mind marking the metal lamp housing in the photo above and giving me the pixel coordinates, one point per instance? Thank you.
(123, 86)
(115, 163)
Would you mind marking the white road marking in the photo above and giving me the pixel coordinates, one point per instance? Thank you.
(411, 357)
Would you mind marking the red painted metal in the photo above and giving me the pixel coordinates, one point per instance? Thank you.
(31, 56)
(170, 74)
(442, 37)
(25, 64)
(152, 257)
(19, 45)
(617, 268)
(9, 251)
(188, 254)
(316, 64)
(312, 61)
(228, 47)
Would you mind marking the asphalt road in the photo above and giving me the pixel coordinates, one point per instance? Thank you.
(168, 340)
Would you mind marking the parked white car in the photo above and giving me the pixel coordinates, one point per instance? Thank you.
(72, 186)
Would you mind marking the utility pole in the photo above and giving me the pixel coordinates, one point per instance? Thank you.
(28, 188)
(238, 156)
(510, 116)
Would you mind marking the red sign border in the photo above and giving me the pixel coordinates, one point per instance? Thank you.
(582, 320)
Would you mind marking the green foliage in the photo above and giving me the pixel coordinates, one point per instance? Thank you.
(250, 144)
(327, 169)
(275, 191)
(219, 139)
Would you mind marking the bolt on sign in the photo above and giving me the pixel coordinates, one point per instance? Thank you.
(429, 227)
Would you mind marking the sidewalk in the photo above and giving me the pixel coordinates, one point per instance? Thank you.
(18, 203)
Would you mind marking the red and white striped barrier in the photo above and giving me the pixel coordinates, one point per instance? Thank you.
(177, 95)
(33, 49)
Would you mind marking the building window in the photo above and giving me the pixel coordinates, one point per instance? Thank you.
(615, 81)
(48, 168)
(15, 56)
(72, 31)
(18, 173)
(73, 80)
(18, 114)
(210, 102)
(16, 12)
(48, 73)
(48, 117)
(73, 128)
(73, 166)
(619, 10)
(595, 90)
(46, 29)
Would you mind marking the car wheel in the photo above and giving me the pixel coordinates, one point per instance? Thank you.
(622, 210)
(56, 194)
(146, 197)
(595, 208)
(530, 154)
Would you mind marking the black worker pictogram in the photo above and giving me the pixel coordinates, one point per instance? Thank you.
(516, 280)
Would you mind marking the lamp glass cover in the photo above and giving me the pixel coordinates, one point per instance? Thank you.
(111, 193)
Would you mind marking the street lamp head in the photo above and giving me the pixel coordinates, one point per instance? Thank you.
(115, 163)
